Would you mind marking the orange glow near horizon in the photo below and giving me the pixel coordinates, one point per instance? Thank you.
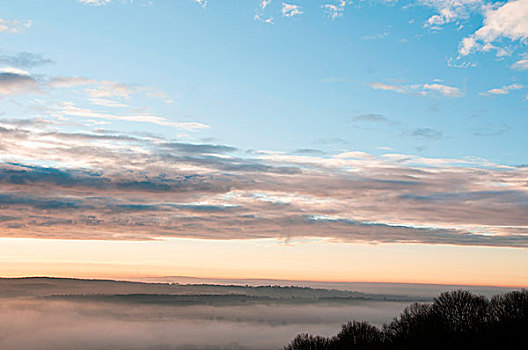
(306, 260)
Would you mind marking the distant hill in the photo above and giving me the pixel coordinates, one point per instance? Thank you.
(124, 291)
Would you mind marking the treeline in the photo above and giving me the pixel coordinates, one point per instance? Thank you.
(454, 320)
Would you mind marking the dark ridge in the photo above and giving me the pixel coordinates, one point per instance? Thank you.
(206, 299)
(52, 286)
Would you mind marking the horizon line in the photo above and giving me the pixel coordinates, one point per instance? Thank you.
(130, 279)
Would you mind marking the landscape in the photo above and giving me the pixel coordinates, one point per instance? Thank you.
(263, 174)
(60, 313)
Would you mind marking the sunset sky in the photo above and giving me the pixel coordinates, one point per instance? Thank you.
(363, 140)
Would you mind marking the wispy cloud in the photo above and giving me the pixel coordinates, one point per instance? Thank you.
(24, 60)
(450, 11)
(420, 89)
(263, 19)
(110, 89)
(491, 130)
(14, 26)
(202, 3)
(95, 2)
(101, 90)
(335, 10)
(107, 103)
(372, 117)
(375, 36)
(521, 64)
(457, 63)
(260, 13)
(291, 10)
(69, 109)
(264, 4)
(147, 3)
(503, 90)
(424, 133)
(396, 88)
(69, 82)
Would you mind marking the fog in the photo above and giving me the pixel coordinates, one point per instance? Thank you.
(44, 324)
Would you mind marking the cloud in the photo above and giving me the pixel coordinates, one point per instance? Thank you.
(443, 89)
(264, 4)
(521, 64)
(16, 81)
(37, 203)
(260, 18)
(99, 88)
(69, 109)
(100, 91)
(371, 117)
(69, 82)
(450, 11)
(260, 13)
(424, 133)
(112, 186)
(24, 60)
(505, 21)
(291, 10)
(491, 131)
(309, 151)
(375, 36)
(336, 10)
(14, 26)
(202, 3)
(420, 89)
(503, 90)
(387, 87)
(95, 2)
(107, 103)
(110, 89)
(354, 154)
(200, 148)
(455, 63)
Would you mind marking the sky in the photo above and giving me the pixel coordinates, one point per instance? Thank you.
(379, 141)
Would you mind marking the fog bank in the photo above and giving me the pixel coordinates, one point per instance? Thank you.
(64, 325)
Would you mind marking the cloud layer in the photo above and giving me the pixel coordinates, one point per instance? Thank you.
(95, 185)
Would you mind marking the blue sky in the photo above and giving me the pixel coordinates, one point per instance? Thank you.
(386, 122)
(297, 82)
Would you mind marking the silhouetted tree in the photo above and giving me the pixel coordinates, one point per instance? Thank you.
(308, 342)
(460, 311)
(415, 325)
(357, 335)
(455, 320)
(512, 306)
(508, 319)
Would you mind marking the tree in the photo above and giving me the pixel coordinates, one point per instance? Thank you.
(308, 342)
(512, 306)
(455, 320)
(460, 311)
(508, 319)
(358, 335)
(415, 325)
